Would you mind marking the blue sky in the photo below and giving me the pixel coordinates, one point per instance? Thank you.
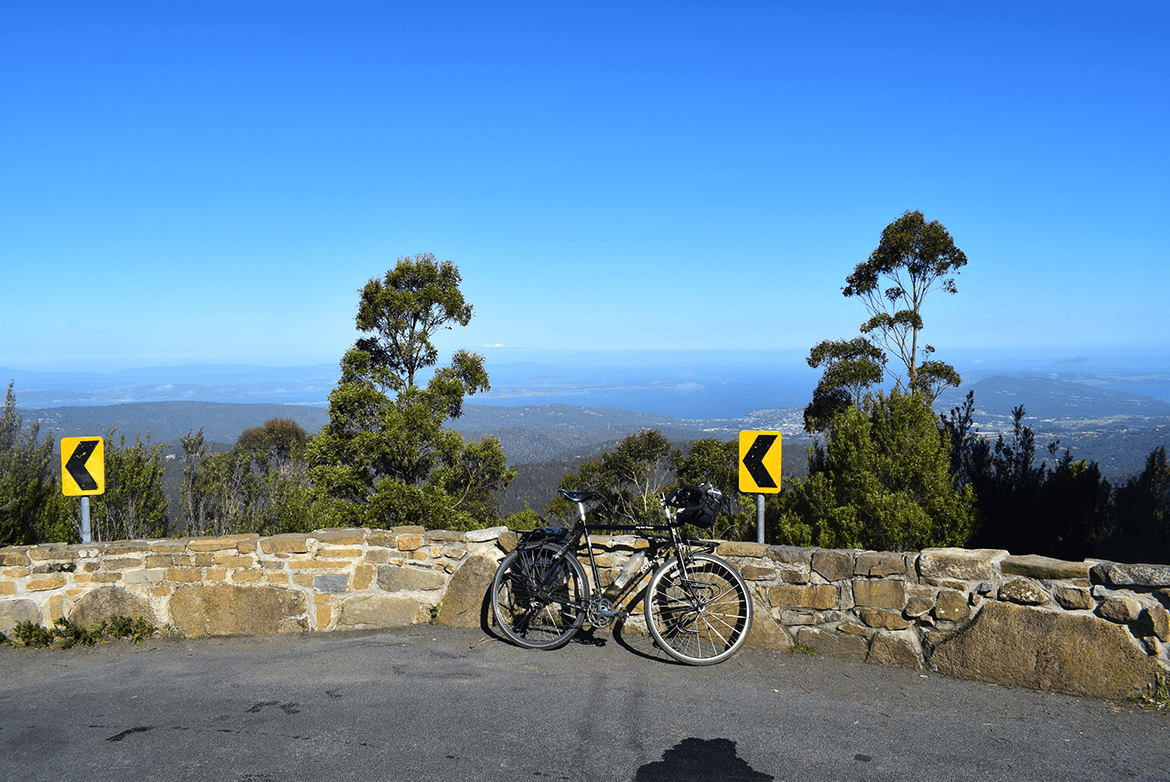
(214, 182)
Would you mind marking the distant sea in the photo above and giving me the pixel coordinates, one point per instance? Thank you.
(690, 384)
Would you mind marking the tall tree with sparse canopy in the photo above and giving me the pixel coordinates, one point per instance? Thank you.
(384, 458)
(912, 259)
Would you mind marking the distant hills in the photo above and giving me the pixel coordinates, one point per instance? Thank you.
(1114, 427)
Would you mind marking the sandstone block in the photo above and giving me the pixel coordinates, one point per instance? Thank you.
(331, 582)
(485, 535)
(879, 563)
(1156, 622)
(1118, 574)
(144, 576)
(350, 536)
(121, 563)
(185, 574)
(1077, 654)
(884, 619)
(833, 565)
(1024, 591)
(508, 541)
(443, 536)
(98, 604)
(917, 605)
(14, 556)
(879, 594)
(203, 545)
(465, 601)
(1073, 598)
(792, 555)
(368, 612)
(819, 596)
(382, 538)
(1120, 609)
(1034, 566)
(13, 612)
(409, 529)
(288, 543)
(330, 552)
(318, 564)
(227, 609)
(324, 615)
(797, 617)
(51, 552)
(757, 573)
(363, 577)
(246, 576)
(123, 547)
(394, 578)
(45, 584)
(767, 634)
(742, 549)
(958, 563)
(7, 588)
(233, 559)
(831, 644)
(409, 542)
(951, 606)
(794, 576)
(894, 651)
(453, 552)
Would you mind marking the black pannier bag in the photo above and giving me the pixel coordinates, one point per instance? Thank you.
(699, 505)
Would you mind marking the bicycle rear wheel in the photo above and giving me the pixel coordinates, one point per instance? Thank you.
(700, 614)
(538, 598)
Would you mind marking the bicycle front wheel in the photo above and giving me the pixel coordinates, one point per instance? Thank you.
(538, 597)
(701, 613)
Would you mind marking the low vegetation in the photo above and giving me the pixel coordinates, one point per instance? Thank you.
(66, 634)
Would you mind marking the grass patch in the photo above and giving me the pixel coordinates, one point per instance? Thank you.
(67, 634)
(802, 649)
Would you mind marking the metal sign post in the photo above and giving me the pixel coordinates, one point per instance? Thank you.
(83, 473)
(759, 469)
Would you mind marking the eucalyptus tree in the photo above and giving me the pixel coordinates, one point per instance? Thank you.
(384, 458)
(913, 258)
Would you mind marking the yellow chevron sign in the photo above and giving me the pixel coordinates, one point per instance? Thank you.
(83, 466)
(759, 462)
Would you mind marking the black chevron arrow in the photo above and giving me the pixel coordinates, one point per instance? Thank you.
(753, 460)
(76, 465)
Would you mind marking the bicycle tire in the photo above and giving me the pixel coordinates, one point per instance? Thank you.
(538, 597)
(702, 616)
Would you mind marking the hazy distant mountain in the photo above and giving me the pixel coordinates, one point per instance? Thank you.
(256, 384)
(1099, 422)
(1057, 403)
(168, 421)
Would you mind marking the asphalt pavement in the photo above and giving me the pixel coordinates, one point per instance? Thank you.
(436, 703)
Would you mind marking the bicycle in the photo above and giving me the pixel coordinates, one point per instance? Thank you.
(697, 606)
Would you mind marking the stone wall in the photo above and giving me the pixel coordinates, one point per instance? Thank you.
(1086, 628)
